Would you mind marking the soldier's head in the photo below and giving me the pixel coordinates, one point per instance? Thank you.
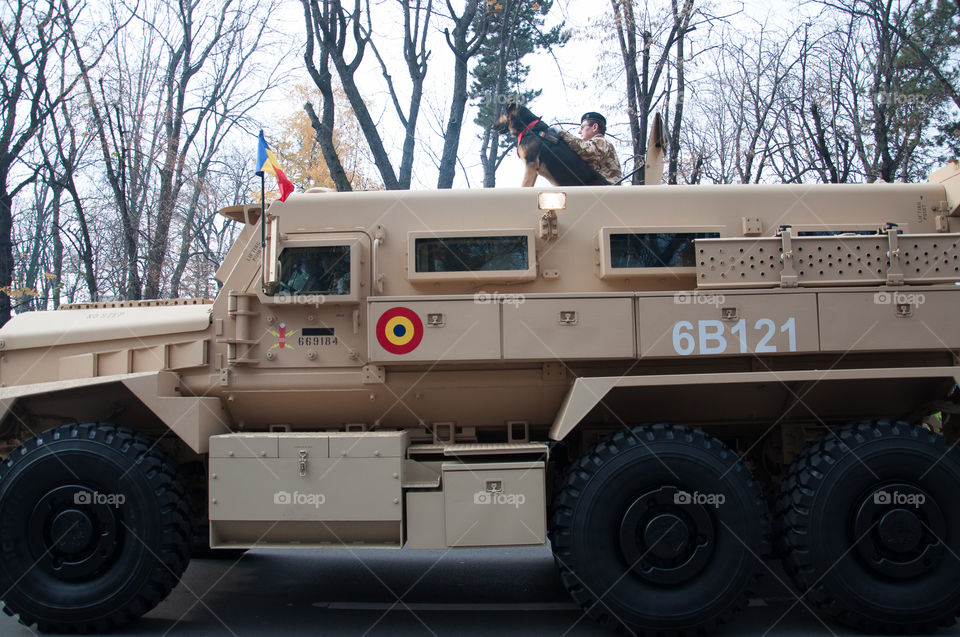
(592, 124)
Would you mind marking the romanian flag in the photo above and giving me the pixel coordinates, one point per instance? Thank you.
(267, 162)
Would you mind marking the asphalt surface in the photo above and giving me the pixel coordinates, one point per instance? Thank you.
(505, 592)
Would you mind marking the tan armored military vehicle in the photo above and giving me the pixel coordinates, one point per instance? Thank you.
(668, 383)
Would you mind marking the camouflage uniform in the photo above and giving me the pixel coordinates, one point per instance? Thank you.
(597, 152)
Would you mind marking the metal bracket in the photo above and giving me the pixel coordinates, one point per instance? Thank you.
(378, 238)
(554, 371)
(518, 431)
(751, 226)
(549, 225)
(788, 276)
(895, 271)
(373, 375)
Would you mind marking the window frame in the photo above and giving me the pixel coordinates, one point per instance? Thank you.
(607, 271)
(529, 274)
(353, 240)
(797, 228)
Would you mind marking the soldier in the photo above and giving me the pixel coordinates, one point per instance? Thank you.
(593, 147)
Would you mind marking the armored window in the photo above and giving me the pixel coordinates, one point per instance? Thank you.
(315, 270)
(650, 251)
(464, 255)
(655, 249)
(839, 233)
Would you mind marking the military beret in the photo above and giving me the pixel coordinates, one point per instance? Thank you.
(595, 117)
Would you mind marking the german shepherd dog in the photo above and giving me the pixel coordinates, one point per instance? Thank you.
(544, 152)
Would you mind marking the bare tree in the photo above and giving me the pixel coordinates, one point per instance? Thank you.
(320, 74)
(888, 127)
(62, 150)
(194, 77)
(469, 31)
(128, 144)
(645, 67)
(330, 28)
(215, 48)
(32, 40)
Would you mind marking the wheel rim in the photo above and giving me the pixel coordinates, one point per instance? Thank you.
(897, 529)
(666, 537)
(74, 532)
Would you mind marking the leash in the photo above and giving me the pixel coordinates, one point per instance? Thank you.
(628, 176)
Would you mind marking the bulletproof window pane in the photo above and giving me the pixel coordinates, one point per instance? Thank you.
(837, 233)
(655, 249)
(315, 270)
(469, 254)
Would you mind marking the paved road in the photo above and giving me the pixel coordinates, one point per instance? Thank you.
(506, 592)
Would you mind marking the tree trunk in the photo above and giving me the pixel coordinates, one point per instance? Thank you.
(451, 136)
(86, 245)
(6, 249)
(463, 49)
(626, 34)
(57, 249)
(323, 129)
(677, 115)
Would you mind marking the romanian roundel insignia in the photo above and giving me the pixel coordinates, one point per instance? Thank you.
(399, 330)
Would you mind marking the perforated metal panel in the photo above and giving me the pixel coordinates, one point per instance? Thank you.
(738, 262)
(840, 260)
(930, 258)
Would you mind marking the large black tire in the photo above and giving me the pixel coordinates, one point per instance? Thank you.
(871, 528)
(94, 528)
(660, 530)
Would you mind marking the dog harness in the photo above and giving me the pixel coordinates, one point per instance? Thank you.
(524, 131)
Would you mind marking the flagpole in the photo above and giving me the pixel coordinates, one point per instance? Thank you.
(263, 213)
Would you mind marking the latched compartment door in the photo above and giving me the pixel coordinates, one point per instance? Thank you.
(434, 331)
(494, 504)
(908, 318)
(714, 324)
(569, 328)
(311, 489)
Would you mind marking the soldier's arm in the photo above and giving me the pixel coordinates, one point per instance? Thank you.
(616, 172)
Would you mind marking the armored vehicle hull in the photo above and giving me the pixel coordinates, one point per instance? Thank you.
(688, 378)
